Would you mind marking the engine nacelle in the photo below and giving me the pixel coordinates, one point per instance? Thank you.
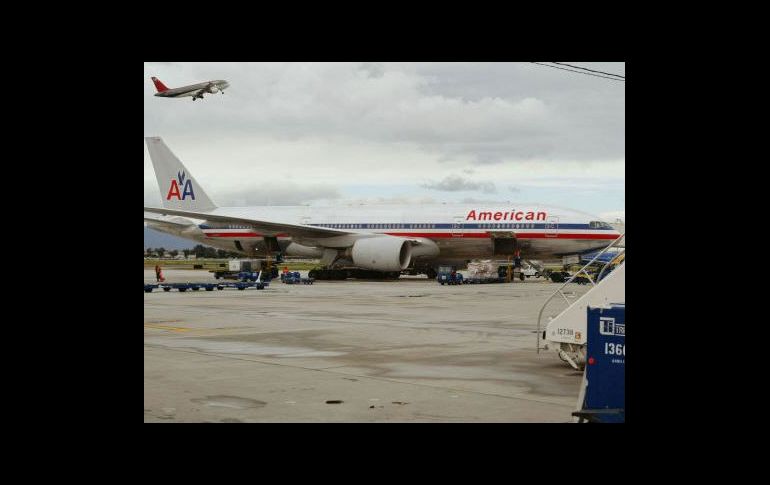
(382, 253)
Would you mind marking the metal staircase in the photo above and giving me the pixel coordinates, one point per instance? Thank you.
(572, 318)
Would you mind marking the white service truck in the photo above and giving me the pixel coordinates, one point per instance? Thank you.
(528, 270)
(237, 266)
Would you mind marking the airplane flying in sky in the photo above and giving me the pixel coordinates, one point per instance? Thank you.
(385, 238)
(194, 90)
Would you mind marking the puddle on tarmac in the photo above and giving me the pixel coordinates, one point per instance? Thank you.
(246, 348)
(232, 402)
(445, 372)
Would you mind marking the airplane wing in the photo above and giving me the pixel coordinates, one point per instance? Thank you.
(320, 236)
(294, 230)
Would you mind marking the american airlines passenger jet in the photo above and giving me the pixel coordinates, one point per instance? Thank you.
(385, 238)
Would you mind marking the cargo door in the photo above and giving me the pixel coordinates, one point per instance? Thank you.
(551, 226)
(457, 226)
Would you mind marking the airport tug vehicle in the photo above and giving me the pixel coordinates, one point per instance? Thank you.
(448, 275)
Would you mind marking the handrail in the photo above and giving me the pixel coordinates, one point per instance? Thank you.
(583, 270)
(599, 276)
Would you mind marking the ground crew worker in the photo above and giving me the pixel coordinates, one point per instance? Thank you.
(157, 273)
(517, 258)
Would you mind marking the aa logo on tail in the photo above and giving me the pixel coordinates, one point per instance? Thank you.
(173, 191)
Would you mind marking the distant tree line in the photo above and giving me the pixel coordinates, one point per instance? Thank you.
(200, 251)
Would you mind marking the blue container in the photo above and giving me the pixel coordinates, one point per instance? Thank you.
(606, 363)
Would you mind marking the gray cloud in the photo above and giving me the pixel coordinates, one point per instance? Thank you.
(489, 113)
(388, 126)
(373, 69)
(284, 193)
(402, 200)
(454, 183)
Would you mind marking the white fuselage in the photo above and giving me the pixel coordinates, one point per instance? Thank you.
(459, 231)
(195, 89)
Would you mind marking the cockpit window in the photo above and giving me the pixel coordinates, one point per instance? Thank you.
(599, 225)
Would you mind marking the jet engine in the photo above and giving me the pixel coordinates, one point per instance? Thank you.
(382, 253)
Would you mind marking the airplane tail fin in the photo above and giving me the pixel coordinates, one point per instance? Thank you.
(159, 85)
(178, 188)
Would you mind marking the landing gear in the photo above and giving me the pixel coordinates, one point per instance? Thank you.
(327, 274)
(343, 274)
(431, 273)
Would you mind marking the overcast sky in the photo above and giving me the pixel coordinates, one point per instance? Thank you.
(333, 133)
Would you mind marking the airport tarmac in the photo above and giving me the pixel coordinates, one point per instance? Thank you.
(409, 350)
